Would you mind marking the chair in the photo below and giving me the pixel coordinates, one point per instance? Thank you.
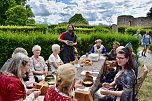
(142, 73)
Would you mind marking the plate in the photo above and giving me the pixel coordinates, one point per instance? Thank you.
(83, 89)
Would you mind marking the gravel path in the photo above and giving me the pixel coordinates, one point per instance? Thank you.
(146, 60)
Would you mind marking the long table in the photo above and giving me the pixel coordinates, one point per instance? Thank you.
(81, 95)
(87, 95)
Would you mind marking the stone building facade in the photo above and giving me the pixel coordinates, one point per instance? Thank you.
(128, 20)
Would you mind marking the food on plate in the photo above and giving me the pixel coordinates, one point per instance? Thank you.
(87, 82)
(86, 62)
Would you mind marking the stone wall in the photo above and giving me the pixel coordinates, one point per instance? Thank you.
(127, 20)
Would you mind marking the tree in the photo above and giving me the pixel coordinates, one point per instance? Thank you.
(149, 14)
(4, 6)
(78, 19)
(16, 16)
(21, 2)
(30, 15)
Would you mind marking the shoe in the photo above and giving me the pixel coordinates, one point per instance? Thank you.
(142, 54)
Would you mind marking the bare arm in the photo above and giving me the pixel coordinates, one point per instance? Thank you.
(38, 72)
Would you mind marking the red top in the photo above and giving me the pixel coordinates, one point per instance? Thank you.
(52, 95)
(62, 35)
(11, 88)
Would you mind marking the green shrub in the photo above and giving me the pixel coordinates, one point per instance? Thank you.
(9, 42)
(150, 48)
(108, 39)
(132, 30)
(25, 29)
(121, 29)
(59, 30)
(102, 29)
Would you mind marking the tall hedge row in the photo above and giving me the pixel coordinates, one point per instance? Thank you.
(59, 30)
(25, 29)
(9, 42)
(132, 30)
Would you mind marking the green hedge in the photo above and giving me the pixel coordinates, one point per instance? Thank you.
(59, 30)
(9, 42)
(108, 39)
(121, 29)
(132, 30)
(25, 29)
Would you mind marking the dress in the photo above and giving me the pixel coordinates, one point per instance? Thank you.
(11, 87)
(146, 40)
(126, 80)
(54, 95)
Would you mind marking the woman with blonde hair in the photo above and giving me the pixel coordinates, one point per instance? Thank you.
(65, 81)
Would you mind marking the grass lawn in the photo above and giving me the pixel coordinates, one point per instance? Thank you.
(145, 92)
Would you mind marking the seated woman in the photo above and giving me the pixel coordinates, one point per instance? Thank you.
(54, 59)
(98, 48)
(37, 64)
(28, 77)
(124, 79)
(11, 82)
(65, 81)
(112, 54)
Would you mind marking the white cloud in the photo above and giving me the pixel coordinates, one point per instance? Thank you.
(95, 11)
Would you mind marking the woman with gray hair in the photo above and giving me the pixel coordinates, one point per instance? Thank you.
(54, 59)
(11, 82)
(37, 64)
(28, 77)
(65, 82)
(17, 50)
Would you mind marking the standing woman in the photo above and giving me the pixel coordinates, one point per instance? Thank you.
(124, 79)
(146, 40)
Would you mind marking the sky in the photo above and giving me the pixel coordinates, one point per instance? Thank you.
(95, 11)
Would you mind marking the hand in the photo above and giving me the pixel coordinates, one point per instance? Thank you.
(66, 42)
(60, 63)
(78, 83)
(45, 72)
(104, 91)
(142, 43)
(36, 93)
(73, 44)
(29, 91)
(106, 85)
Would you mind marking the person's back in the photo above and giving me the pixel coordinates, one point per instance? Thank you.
(55, 96)
(5, 66)
(11, 87)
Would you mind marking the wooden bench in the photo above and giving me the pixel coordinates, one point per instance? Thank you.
(142, 73)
